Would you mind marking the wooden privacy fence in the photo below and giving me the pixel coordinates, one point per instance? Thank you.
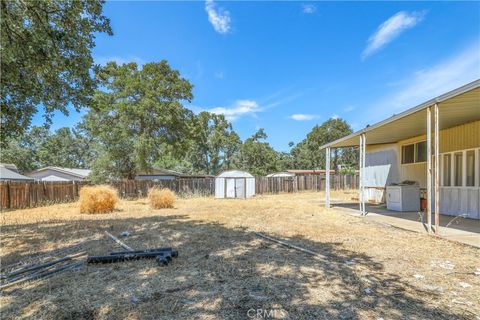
(181, 186)
(307, 182)
(17, 195)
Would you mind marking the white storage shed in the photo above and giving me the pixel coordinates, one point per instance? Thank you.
(234, 184)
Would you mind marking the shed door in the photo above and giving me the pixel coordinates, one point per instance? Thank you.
(240, 188)
(230, 187)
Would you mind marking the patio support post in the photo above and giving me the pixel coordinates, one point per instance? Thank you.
(437, 168)
(364, 153)
(327, 177)
(360, 193)
(429, 169)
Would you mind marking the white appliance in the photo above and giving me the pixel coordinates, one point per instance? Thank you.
(403, 197)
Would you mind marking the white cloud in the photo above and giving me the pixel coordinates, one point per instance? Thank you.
(427, 83)
(309, 8)
(303, 117)
(238, 109)
(349, 108)
(391, 29)
(219, 18)
(335, 116)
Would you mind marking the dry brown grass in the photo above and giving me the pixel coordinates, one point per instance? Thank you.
(161, 198)
(224, 270)
(98, 199)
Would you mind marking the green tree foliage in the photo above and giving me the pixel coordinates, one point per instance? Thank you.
(257, 157)
(38, 148)
(214, 143)
(307, 154)
(46, 58)
(137, 116)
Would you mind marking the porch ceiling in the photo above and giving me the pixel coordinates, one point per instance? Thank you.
(455, 108)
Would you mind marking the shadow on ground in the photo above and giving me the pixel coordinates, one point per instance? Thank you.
(220, 273)
(453, 222)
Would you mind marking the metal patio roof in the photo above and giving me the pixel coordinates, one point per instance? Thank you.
(456, 107)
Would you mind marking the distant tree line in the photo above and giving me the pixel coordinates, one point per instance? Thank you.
(136, 116)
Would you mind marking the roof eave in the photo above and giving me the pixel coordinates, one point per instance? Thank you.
(424, 105)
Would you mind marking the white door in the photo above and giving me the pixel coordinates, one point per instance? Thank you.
(240, 188)
(230, 187)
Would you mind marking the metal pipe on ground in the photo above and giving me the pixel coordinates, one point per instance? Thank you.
(43, 274)
(43, 265)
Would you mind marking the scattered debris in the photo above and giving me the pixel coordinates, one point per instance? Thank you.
(477, 272)
(134, 300)
(257, 295)
(283, 243)
(418, 276)
(162, 255)
(124, 246)
(41, 271)
(186, 302)
(465, 302)
(350, 262)
(464, 285)
(444, 264)
(429, 287)
(368, 291)
(125, 234)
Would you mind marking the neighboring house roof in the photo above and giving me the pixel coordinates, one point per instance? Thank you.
(54, 178)
(9, 166)
(281, 174)
(456, 107)
(302, 171)
(6, 174)
(160, 172)
(80, 173)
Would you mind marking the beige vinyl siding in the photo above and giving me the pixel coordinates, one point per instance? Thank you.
(462, 137)
(466, 136)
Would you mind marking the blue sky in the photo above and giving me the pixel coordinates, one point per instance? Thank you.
(286, 66)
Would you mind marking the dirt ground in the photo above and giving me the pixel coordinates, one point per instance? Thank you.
(225, 271)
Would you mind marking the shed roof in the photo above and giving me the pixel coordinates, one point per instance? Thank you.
(6, 174)
(309, 171)
(234, 174)
(456, 107)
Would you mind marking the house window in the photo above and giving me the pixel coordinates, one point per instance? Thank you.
(415, 152)
(408, 153)
(470, 168)
(458, 169)
(421, 151)
(447, 173)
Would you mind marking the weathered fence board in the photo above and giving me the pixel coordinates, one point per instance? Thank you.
(302, 183)
(17, 195)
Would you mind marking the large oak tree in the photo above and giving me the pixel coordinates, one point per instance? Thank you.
(137, 116)
(46, 58)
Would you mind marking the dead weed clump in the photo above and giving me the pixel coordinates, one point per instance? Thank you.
(161, 198)
(98, 199)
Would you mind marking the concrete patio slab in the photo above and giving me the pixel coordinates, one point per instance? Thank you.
(458, 229)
